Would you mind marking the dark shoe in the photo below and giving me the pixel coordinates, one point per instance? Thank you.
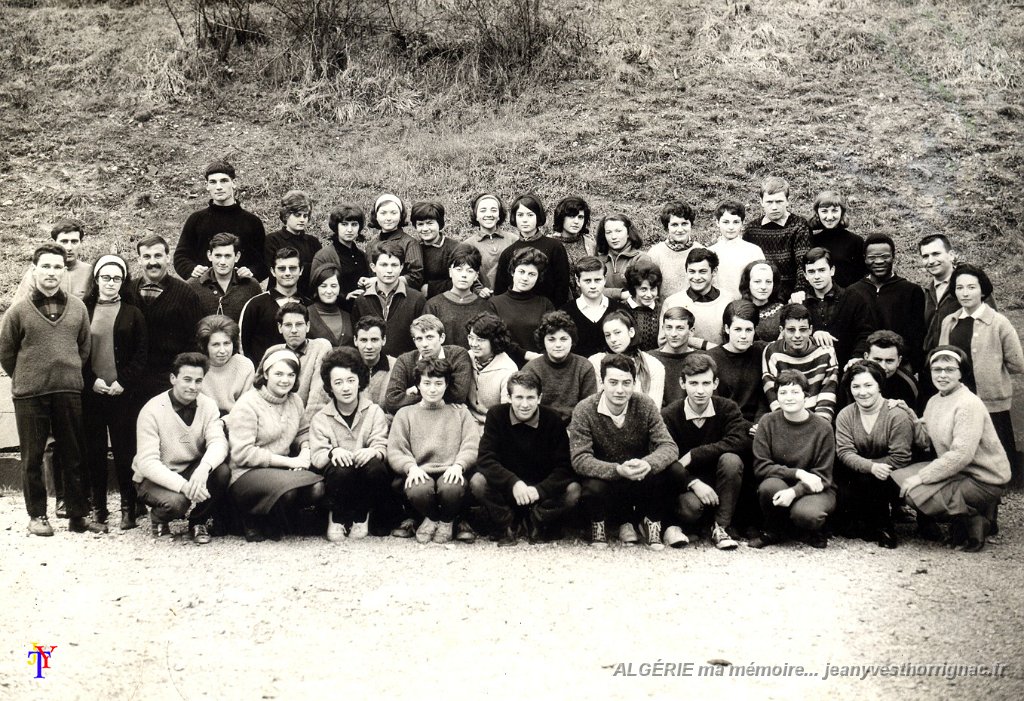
(251, 532)
(764, 540)
(508, 538)
(957, 533)
(407, 529)
(62, 509)
(929, 530)
(817, 540)
(81, 524)
(977, 531)
(100, 515)
(128, 519)
(887, 538)
(200, 536)
(272, 530)
(535, 531)
(140, 510)
(464, 533)
(159, 530)
(40, 525)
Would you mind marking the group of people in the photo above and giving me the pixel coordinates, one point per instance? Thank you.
(779, 382)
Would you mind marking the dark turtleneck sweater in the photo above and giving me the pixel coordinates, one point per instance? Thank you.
(201, 226)
(521, 312)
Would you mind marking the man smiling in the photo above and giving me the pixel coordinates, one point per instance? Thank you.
(259, 326)
(797, 350)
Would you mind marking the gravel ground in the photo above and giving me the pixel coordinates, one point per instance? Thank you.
(133, 618)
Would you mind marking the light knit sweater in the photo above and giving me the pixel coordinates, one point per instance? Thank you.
(42, 356)
(653, 384)
(962, 434)
(77, 281)
(432, 437)
(229, 382)
(733, 256)
(167, 446)
(309, 379)
(673, 267)
(889, 442)
(707, 322)
(328, 430)
(261, 425)
(995, 355)
(489, 386)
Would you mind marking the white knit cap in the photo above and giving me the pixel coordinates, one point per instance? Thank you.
(388, 197)
(110, 259)
(270, 358)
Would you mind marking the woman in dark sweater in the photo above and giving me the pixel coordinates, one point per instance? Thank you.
(521, 308)
(327, 318)
(828, 230)
(118, 358)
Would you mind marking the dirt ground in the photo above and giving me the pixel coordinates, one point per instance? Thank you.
(138, 619)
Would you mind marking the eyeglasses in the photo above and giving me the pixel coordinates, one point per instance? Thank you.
(944, 371)
(111, 278)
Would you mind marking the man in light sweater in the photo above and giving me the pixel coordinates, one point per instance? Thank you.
(78, 276)
(705, 301)
(181, 463)
(293, 325)
(620, 447)
(44, 341)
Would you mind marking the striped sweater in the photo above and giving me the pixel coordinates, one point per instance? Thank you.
(817, 363)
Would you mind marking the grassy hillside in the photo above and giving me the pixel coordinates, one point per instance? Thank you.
(913, 109)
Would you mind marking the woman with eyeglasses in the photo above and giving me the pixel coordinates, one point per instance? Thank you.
(116, 361)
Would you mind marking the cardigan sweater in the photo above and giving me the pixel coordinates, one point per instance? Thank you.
(965, 440)
(455, 315)
(784, 245)
(489, 386)
(328, 430)
(847, 316)
(261, 425)
(227, 383)
(847, 253)
(817, 363)
(589, 334)
(650, 381)
(739, 379)
(203, 225)
(406, 304)
(131, 344)
(318, 328)
(597, 446)
(673, 267)
(42, 356)
(995, 355)
(403, 376)
(768, 321)
(563, 385)
(521, 312)
(781, 447)
(167, 446)
(509, 453)
(935, 310)
(350, 262)
(733, 256)
(307, 246)
(171, 321)
(311, 357)
(412, 271)
(432, 437)
(725, 432)
(553, 284)
(213, 299)
(707, 323)
(899, 307)
(890, 442)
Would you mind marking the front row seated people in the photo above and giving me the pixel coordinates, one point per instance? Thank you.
(512, 482)
(713, 439)
(181, 461)
(964, 483)
(620, 447)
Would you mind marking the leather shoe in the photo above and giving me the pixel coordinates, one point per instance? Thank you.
(765, 539)
(251, 532)
(508, 538)
(159, 530)
(887, 538)
(81, 524)
(200, 536)
(128, 519)
(100, 515)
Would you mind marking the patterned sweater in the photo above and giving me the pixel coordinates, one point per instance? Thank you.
(597, 445)
(817, 363)
(784, 245)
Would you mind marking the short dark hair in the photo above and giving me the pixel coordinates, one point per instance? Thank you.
(528, 255)
(347, 358)
(392, 249)
(588, 264)
(294, 202)
(966, 368)
(223, 239)
(678, 208)
(48, 249)
(794, 312)
(216, 323)
(640, 271)
(731, 207)
(699, 254)
(531, 202)
(932, 238)
(570, 207)
(291, 308)
(67, 226)
(321, 275)
(617, 361)
(190, 359)
(814, 255)
(347, 212)
(861, 366)
(286, 252)
(790, 376)
(526, 380)
(696, 363)
(828, 198)
(473, 203)
(490, 327)
(776, 280)
(884, 338)
(679, 314)
(880, 238)
(466, 254)
(739, 309)
(433, 367)
(552, 322)
(365, 323)
(632, 235)
(967, 269)
(152, 240)
(422, 211)
(619, 315)
(220, 167)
